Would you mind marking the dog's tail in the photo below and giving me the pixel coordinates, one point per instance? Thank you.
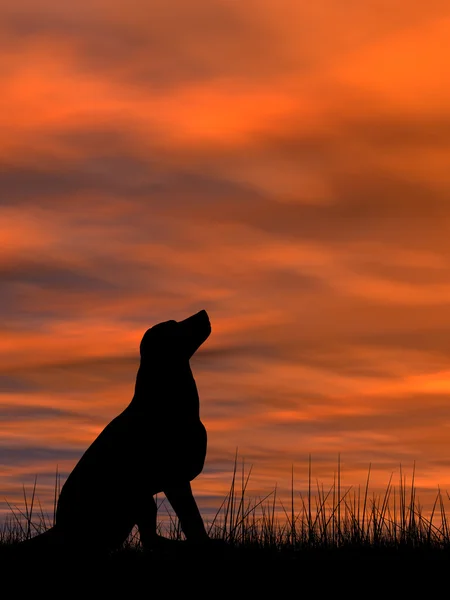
(44, 546)
(39, 553)
(47, 539)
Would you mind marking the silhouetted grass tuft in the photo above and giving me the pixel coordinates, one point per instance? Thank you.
(322, 521)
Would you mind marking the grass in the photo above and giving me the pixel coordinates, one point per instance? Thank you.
(322, 522)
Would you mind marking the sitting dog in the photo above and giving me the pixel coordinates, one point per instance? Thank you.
(157, 444)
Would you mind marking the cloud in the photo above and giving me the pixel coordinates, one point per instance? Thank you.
(10, 384)
(31, 454)
(54, 276)
(165, 45)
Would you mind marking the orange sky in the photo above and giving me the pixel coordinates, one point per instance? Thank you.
(283, 165)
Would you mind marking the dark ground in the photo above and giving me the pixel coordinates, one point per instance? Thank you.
(219, 572)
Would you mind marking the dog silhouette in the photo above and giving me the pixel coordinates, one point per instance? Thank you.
(157, 444)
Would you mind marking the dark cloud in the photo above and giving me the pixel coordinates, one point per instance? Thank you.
(413, 273)
(89, 374)
(433, 342)
(19, 412)
(367, 198)
(213, 410)
(52, 274)
(159, 45)
(393, 132)
(43, 477)
(25, 184)
(26, 455)
(380, 194)
(9, 384)
(144, 183)
(441, 462)
(422, 412)
(357, 214)
(326, 354)
(366, 203)
(357, 124)
(120, 176)
(383, 458)
(38, 290)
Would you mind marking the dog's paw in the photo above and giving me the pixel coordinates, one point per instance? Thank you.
(163, 544)
(208, 546)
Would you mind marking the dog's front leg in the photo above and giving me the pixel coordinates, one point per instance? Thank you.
(183, 502)
(146, 522)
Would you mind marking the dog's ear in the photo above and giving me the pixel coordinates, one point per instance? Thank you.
(159, 340)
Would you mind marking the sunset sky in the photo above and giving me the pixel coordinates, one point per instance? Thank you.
(284, 165)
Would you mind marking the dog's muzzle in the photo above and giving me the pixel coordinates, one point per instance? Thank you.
(194, 331)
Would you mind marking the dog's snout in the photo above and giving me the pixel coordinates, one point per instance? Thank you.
(195, 330)
(197, 321)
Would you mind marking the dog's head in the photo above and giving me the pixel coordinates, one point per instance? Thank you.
(176, 339)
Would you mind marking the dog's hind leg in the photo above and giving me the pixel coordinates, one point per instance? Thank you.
(146, 523)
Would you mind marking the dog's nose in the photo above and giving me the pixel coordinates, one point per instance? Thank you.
(198, 318)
